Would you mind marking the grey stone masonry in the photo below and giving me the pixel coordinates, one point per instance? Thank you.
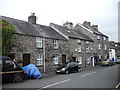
(100, 44)
(24, 44)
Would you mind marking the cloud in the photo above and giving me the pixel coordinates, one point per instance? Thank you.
(100, 12)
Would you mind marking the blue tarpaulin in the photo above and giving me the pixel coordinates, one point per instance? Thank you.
(32, 71)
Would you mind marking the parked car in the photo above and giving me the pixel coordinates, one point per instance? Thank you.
(10, 71)
(118, 61)
(107, 62)
(68, 67)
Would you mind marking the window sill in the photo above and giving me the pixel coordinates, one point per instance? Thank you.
(39, 47)
(55, 48)
(39, 65)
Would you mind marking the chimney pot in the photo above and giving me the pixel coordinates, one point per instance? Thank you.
(69, 25)
(32, 18)
(88, 24)
(95, 27)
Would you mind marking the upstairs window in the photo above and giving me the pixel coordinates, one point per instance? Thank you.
(105, 47)
(79, 48)
(99, 47)
(39, 42)
(87, 42)
(79, 41)
(87, 49)
(55, 59)
(39, 59)
(55, 44)
(104, 38)
(98, 37)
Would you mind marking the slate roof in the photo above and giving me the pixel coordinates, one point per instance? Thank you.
(27, 28)
(81, 35)
(70, 33)
(94, 31)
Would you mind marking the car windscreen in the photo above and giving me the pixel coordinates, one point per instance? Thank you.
(10, 64)
(63, 65)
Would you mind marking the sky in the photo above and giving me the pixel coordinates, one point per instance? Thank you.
(103, 13)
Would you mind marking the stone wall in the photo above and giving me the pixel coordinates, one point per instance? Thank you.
(27, 45)
(93, 36)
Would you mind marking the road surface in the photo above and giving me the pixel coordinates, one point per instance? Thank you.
(103, 77)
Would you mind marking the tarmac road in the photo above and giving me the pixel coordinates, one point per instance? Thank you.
(104, 77)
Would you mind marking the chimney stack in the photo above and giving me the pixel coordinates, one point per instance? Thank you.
(69, 25)
(32, 18)
(95, 27)
(88, 24)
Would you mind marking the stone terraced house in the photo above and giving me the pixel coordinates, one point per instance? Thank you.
(37, 44)
(80, 45)
(100, 45)
(47, 46)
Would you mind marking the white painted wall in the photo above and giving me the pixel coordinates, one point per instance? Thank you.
(112, 54)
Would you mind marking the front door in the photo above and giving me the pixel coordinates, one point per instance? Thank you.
(26, 59)
(63, 58)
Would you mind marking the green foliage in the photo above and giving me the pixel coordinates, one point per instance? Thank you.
(7, 36)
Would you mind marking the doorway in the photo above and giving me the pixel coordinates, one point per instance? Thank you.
(26, 59)
(63, 58)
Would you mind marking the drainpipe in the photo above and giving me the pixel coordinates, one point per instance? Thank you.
(44, 54)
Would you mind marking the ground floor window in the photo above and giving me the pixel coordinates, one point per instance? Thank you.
(88, 61)
(39, 59)
(79, 60)
(55, 59)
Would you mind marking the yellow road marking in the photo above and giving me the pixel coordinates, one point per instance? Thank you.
(117, 85)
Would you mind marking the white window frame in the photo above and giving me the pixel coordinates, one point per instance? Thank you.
(79, 48)
(79, 60)
(105, 47)
(39, 42)
(104, 38)
(55, 59)
(91, 49)
(87, 49)
(87, 42)
(39, 59)
(99, 46)
(98, 37)
(79, 41)
(88, 61)
(55, 44)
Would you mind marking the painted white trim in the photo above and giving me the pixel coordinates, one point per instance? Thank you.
(60, 32)
(56, 83)
(88, 74)
(85, 28)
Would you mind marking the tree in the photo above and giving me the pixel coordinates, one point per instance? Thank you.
(7, 31)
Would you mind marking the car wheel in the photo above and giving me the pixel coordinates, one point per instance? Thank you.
(18, 78)
(66, 72)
